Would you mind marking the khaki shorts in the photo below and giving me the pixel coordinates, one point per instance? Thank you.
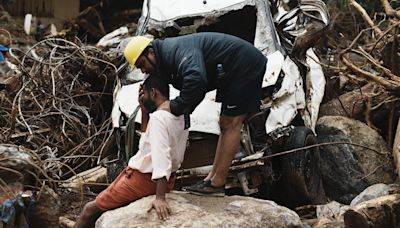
(129, 186)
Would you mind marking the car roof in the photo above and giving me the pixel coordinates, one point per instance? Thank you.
(162, 10)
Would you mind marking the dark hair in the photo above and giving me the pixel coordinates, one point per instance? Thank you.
(153, 81)
(146, 50)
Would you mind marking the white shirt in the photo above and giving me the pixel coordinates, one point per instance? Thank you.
(162, 147)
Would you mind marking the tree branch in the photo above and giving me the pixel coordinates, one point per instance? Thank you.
(388, 84)
(366, 17)
(389, 9)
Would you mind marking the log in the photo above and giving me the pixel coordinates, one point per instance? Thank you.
(351, 104)
(380, 212)
(94, 175)
(396, 149)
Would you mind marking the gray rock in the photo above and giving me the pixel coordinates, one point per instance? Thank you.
(200, 211)
(347, 169)
(329, 223)
(375, 191)
(18, 162)
(332, 211)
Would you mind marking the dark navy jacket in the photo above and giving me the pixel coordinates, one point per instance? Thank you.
(190, 62)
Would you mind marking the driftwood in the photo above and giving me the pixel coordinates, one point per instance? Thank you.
(351, 104)
(94, 175)
(379, 212)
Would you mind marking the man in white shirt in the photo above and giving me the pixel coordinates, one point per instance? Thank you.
(152, 170)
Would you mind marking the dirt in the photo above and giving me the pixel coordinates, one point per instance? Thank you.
(72, 203)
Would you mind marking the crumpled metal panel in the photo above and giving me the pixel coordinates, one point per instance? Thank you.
(300, 27)
(289, 98)
(315, 90)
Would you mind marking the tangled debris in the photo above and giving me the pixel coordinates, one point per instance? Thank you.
(364, 56)
(61, 104)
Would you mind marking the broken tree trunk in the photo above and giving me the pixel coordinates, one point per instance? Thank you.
(380, 212)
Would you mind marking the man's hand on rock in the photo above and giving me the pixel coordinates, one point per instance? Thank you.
(162, 208)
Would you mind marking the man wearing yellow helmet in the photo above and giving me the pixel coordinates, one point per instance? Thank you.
(196, 64)
(139, 46)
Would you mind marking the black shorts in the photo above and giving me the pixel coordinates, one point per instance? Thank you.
(243, 94)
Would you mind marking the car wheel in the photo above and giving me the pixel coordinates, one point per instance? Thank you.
(300, 179)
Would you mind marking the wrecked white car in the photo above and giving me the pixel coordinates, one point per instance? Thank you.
(285, 32)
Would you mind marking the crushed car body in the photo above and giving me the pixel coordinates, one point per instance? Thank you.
(293, 83)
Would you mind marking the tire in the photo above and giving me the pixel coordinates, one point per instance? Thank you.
(300, 180)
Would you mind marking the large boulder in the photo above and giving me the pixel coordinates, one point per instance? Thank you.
(348, 169)
(375, 191)
(17, 164)
(200, 211)
(330, 215)
(332, 210)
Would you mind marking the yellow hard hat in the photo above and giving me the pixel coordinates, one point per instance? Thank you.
(135, 48)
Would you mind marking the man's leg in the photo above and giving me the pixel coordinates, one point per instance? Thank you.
(216, 157)
(235, 106)
(89, 215)
(228, 145)
(118, 194)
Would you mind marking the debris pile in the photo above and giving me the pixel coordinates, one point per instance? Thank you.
(363, 65)
(58, 104)
(362, 59)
